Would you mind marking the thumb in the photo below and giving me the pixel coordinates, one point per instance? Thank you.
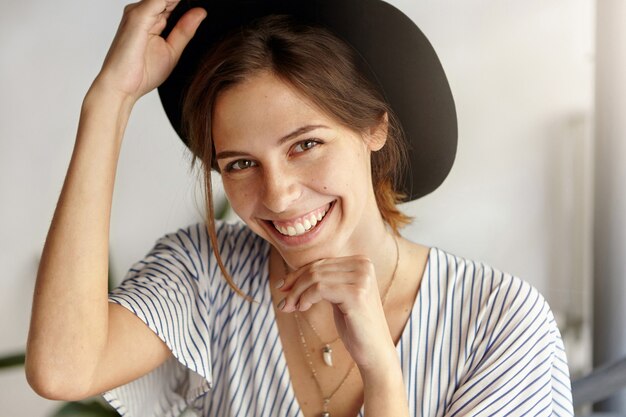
(184, 30)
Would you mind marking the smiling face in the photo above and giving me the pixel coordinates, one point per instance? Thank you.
(297, 177)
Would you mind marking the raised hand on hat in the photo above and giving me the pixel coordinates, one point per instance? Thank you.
(75, 333)
(139, 59)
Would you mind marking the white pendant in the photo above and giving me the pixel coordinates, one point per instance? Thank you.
(327, 354)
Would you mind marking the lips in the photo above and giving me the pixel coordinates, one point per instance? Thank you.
(303, 224)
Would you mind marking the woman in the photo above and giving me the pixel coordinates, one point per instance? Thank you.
(316, 305)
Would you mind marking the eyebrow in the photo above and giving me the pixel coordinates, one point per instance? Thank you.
(299, 131)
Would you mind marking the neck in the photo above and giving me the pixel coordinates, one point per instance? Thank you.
(378, 244)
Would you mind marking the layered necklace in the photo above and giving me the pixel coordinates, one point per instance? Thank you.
(326, 350)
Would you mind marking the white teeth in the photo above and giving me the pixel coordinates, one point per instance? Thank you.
(300, 228)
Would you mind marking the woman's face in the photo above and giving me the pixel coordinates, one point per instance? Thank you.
(297, 177)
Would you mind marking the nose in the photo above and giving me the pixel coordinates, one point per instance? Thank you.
(281, 189)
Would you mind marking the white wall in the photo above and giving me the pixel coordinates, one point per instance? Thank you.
(520, 194)
(521, 73)
(609, 334)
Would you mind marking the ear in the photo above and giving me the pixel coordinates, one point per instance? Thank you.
(377, 135)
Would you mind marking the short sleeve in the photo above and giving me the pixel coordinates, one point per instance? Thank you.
(517, 365)
(170, 292)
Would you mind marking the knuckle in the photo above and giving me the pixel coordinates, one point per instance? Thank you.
(315, 276)
(364, 281)
(362, 259)
(364, 269)
(305, 297)
(316, 264)
(130, 8)
(364, 264)
(317, 286)
(364, 273)
(135, 11)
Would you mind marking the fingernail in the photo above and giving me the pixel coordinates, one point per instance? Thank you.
(280, 283)
(281, 304)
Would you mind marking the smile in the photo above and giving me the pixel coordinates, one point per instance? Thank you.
(303, 224)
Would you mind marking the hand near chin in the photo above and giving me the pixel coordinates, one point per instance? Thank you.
(139, 59)
(350, 285)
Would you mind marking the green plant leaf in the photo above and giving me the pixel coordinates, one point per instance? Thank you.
(222, 210)
(12, 360)
(91, 408)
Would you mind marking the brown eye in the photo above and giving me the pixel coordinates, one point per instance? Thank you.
(240, 165)
(305, 145)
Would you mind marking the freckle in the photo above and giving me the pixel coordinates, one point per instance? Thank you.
(326, 188)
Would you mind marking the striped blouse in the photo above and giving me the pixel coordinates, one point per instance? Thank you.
(478, 342)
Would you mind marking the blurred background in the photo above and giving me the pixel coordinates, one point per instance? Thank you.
(537, 189)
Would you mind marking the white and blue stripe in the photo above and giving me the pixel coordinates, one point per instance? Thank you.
(478, 342)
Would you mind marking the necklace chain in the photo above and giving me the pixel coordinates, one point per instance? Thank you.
(325, 344)
(326, 399)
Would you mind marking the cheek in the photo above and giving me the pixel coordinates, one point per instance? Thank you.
(343, 174)
(325, 178)
(240, 198)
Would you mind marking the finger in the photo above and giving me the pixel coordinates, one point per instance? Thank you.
(169, 7)
(310, 296)
(184, 30)
(341, 295)
(318, 292)
(158, 27)
(161, 18)
(328, 265)
(319, 283)
(148, 15)
(155, 8)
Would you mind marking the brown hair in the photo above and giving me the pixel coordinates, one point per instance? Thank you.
(317, 64)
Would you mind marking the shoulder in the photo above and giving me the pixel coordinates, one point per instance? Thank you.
(481, 287)
(187, 254)
(496, 313)
(509, 344)
(197, 233)
(237, 240)
(195, 241)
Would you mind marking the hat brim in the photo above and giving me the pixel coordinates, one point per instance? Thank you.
(400, 57)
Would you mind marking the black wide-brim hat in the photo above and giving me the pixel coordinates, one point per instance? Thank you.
(402, 61)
